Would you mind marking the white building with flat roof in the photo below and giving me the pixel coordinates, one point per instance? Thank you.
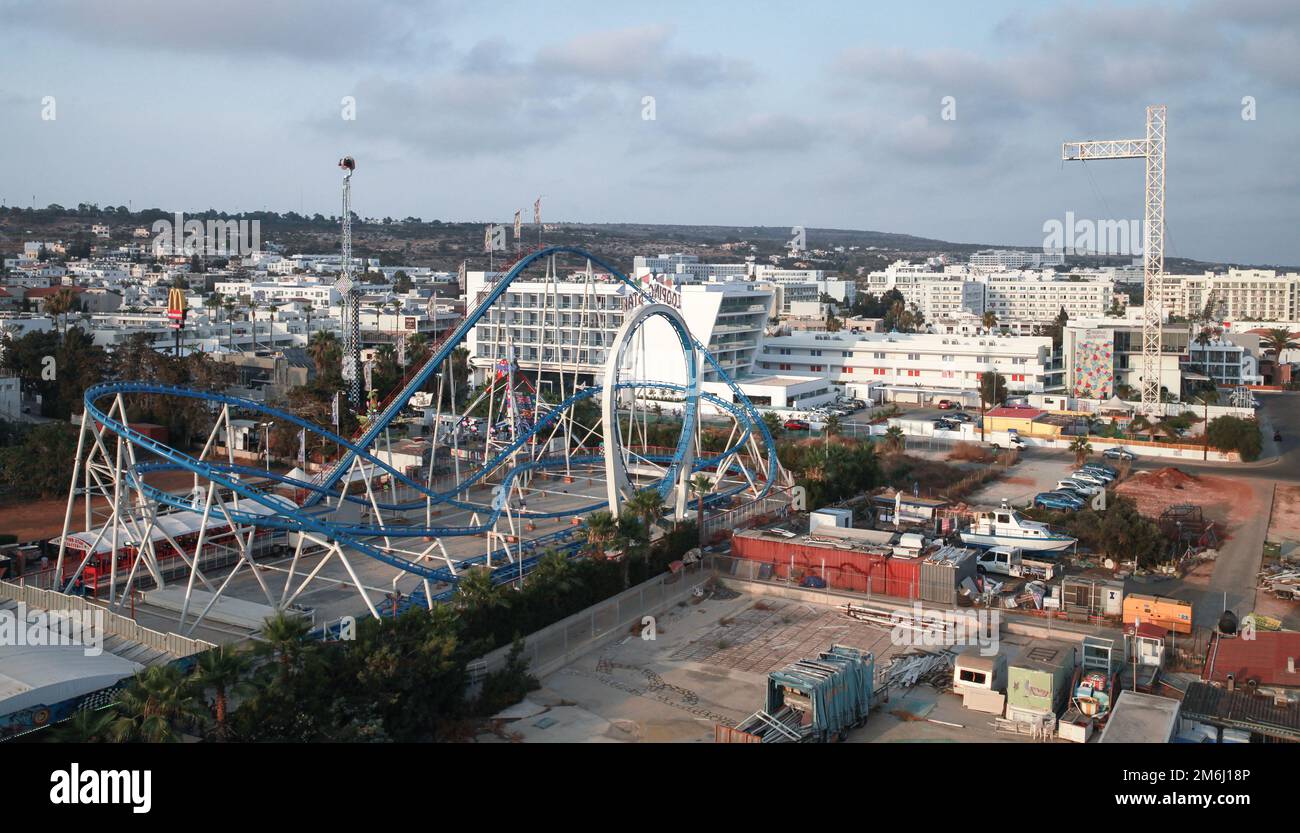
(569, 324)
(1022, 296)
(892, 362)
(1238, 295)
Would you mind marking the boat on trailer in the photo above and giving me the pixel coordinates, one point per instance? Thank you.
(1005, 527)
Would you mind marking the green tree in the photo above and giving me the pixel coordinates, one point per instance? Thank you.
(223, 671)
(86, 726)
(599, 529)
(701, 487)
(156, 707)
(1277, 341)
(1081, 449)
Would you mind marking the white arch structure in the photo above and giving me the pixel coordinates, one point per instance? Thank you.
(618, 483)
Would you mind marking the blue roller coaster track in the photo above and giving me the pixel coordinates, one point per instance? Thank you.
(313, 516)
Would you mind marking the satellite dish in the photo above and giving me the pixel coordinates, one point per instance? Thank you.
(1110, 563)
(348, 164)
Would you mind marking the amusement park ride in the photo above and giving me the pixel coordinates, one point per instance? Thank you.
(491, 468)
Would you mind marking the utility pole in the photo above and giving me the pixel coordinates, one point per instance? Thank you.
(347, 287)
(1151, 149)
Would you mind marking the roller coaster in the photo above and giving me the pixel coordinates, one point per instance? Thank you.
(364, 504)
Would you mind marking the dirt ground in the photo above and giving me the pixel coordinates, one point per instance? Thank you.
(43, 519)
(1285, 522)
(1222, 499)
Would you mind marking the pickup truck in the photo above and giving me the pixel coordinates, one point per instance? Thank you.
(1009, 561)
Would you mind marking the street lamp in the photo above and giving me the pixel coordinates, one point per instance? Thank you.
(266, 441)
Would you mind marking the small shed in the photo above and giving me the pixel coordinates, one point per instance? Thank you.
(1038, 681)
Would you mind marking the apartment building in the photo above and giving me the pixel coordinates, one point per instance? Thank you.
(1239, 295)
(317, 294)
(1099, 357)
(1023, 296)
(1002, 259)
(570, 324)
(913, 366)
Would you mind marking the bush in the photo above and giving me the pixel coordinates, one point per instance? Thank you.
(1229, 433)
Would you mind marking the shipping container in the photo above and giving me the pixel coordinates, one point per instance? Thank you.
(1170, 614)
(942, 573)
(851, 570)
(1094, 596)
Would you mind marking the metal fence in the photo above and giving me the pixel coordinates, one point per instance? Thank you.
(116, 624)
(557, 644)
(848, 580)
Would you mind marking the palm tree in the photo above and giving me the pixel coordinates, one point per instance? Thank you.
(59, 305)
(601, 529)
(213, 303)
(155, 706)
(323, 347)
(701, 485)
(646, 506)
(222, 671)
(1081, 449)
(1277, 341)
(832, 425)
(283, 636)
(895, 440)
(1140, 424)
(476, 593)
(86, 726)
(990, 320)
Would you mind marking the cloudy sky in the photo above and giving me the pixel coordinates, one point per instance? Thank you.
(774, 113)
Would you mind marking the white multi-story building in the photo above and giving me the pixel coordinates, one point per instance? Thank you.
(797, 284)
(916, 367)
(1000, 259)
(1239, 295)
(569, 324)
(1013, 296)
(317, 294)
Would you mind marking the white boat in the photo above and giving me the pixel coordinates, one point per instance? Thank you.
(1005, 527)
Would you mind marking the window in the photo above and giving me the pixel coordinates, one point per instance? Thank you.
(878, 371)
(913, 357)
(976, 677)
(913, 373)
(816, 368)
(847, 369)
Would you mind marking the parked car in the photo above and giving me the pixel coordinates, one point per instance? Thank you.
(961, 416)
(1102, 469)
(1089, 478)
(946, 404)
(795, 425)
(1056, 500)
(1119, 454)
(945, 425)
(1083, 488)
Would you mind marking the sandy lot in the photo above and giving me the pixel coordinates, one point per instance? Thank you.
(1285, 523)
(1228, 501)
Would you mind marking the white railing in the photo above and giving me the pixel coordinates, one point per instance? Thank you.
(116, 624)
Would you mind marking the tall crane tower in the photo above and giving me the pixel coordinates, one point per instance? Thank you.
(347, 287)
(1152, 149)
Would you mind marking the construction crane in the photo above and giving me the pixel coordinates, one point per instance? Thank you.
(347, 287)
(1152, 149)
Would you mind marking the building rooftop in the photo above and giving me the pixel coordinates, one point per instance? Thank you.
(1141, 718)
(1016, 412)
(1241, 710)
(1269, 659)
